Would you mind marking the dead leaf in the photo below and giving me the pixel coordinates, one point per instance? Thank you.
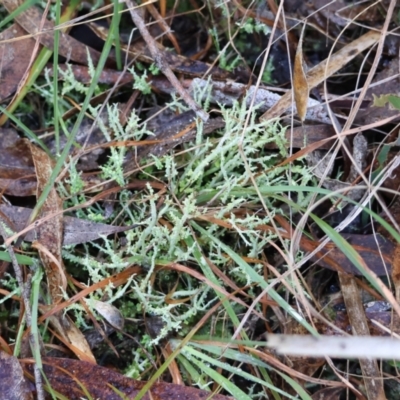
(109, 312)
(49, 234)
(76, 230)
(63, 375)
(300, 85)
(68, 333)
(371, 249)
(20, 187)
(17, 172)
(15, 158)
(13, 384)
(325, 69)
(49, 246)
(15, 58)
(32, 19)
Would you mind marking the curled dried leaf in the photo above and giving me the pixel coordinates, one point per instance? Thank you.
(110, 313)
(300, 85)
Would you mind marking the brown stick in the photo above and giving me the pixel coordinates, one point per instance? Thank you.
(161, 62)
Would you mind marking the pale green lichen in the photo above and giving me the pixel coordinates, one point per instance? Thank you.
(213, 165)
(140, 81)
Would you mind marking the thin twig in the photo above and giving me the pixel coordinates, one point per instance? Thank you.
(161, 62)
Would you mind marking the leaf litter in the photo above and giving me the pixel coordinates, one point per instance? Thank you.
(164, 165)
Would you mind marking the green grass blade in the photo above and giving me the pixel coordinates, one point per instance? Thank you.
(56, 113)
(191, 370)
(36, 280)
(245, 358)
(348, 250)
(118, 7)
(275, 191)
(196, 357)
(22, 260)
(63, 156)
(19, 10)
(256, 278)
(26, 130)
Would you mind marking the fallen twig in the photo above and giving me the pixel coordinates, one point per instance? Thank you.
(162, 64)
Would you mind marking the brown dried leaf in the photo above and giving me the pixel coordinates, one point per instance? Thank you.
(80, 345)
(49, 234)
(300, 86)
(371, 249)
(109, 312)
(325, 69)
(63, 375)
(76, 230)
(32, 19)
(71, 336)
(387, 319)
(13, 385)
(20, 187)
(49, 245)
(15, 158)
(17, 172)
(15, 58)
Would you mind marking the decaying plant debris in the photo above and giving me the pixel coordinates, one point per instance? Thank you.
(190, 187)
